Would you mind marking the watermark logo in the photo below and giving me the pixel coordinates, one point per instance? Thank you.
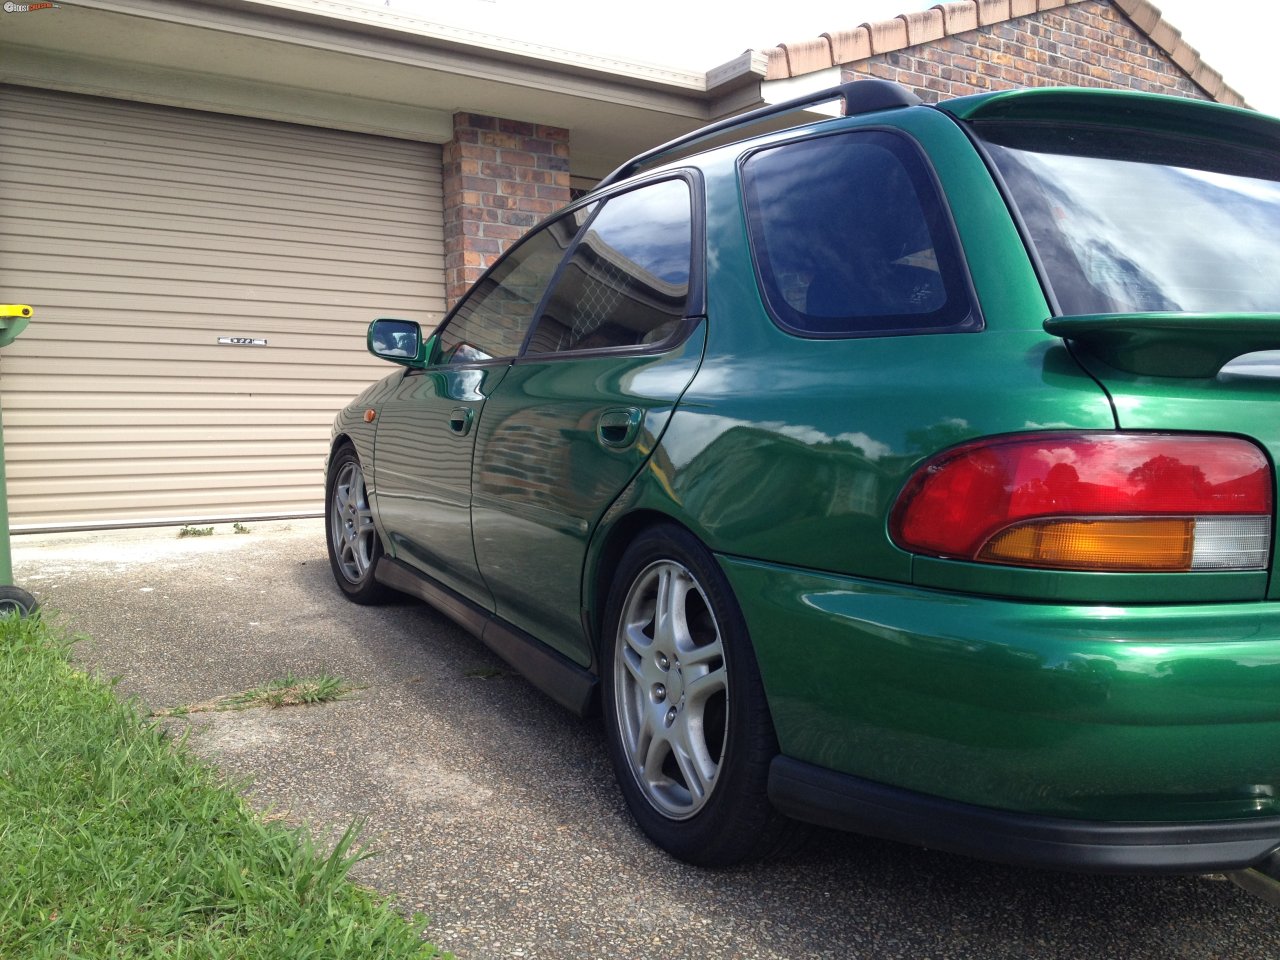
(11, 7)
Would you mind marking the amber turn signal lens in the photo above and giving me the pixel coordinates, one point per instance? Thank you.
(1120, 544)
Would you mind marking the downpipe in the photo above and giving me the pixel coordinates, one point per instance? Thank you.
(1262, 879)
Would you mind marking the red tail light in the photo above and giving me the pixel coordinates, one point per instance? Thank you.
(1106, 501)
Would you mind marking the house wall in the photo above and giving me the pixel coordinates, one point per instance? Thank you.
(500, 178)
(1089, 44)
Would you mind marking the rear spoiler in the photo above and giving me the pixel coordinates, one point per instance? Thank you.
(1169, 344)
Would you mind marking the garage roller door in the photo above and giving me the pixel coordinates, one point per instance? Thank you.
(147, 237)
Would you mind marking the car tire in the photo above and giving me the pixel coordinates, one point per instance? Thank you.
(354, 544)
(689, 731)
(18, 601)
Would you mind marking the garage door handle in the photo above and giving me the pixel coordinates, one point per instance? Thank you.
(460, 420)
(618, 428)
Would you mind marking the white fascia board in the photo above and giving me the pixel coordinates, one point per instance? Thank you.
(144, 83)
(279, 22)
(487, 43)
(748, 67)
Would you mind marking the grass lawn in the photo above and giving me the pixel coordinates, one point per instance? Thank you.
(117, 842)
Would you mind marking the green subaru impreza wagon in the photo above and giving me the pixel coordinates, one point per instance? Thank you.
(910, 472)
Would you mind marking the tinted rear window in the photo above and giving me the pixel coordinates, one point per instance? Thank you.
(1128, 221)
(850, 237)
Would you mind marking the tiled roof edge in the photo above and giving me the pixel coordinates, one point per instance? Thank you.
(1147, 17)
(947, 19)
(905, 30)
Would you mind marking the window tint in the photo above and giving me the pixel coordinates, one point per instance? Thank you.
(627, 281)
(1134, 221)
(850, 237)
(493, 319)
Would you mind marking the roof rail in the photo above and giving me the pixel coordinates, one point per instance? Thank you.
(859, 96)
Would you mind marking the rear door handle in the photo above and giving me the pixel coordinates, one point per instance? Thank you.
(460, 420)
(619, 427)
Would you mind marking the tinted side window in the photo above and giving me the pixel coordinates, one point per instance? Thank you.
(627, 281)
(493, 319)
(850, 237)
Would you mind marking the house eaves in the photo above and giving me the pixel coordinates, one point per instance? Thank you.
(365, 69)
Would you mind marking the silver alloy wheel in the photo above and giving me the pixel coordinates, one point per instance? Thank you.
(351, 523)
(671, 689)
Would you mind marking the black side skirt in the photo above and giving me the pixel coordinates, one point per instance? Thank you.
(564, 681)
(822, 796)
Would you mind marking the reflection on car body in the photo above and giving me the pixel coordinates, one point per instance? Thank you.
(907, 472)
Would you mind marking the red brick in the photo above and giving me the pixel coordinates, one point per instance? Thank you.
(552, 133)
(501, 141)
(477, 121)
(518, 218)
(501, 231)
(499, 171)
(543, 176)
(518, 127)
(512, 188)
(553, 163)
(500, 176)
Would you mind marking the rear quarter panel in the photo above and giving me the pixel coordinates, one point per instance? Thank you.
(792, 450)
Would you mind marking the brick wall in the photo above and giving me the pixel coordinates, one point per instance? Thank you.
(500, 178)
(1088, 44)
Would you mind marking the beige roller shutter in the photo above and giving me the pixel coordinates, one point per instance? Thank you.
(141, 235)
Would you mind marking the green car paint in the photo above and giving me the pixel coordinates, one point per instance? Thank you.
(1170, 344)
(1100, 698)
(539, 493)
(1097, 711)
(422, 474)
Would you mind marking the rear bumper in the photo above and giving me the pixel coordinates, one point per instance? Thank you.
(1117, 729)
(816, 795)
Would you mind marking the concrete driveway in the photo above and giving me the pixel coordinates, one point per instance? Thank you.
(496, 813)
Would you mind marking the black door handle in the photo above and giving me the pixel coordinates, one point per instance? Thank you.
(619, 427)
(460, 420)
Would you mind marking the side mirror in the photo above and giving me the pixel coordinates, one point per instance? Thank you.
(400, 341)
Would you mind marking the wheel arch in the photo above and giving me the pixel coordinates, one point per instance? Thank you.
(361, 440)
(736, 821)
(602, 565)
(353, 540)
(359, 437)
(339, 440)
